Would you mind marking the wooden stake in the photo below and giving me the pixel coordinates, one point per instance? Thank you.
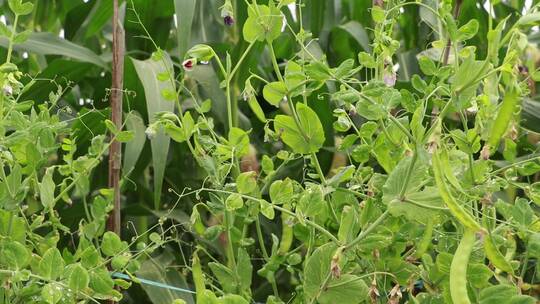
(115, 149)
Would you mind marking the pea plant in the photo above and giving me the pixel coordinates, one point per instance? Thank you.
(271, 151)
(421, 209)
(41, 259)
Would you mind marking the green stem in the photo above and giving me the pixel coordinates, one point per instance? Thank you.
(410, 170)
(368, 230)
(230, 249)
(13, 32)
(260, 237)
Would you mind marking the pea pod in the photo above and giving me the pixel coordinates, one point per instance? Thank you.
(423, 245)
(457, 211)
(504, 116)
(198, 277)
(286, 232)
(458, 268)
(495, 256)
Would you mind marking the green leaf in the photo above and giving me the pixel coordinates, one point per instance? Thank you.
(307, 140)
(246, 182)
(345, 289)
(427, 206)
(377, 14)
(111, 244)
(497, 294)
(281, 191)
(349, 224)
(533, 245)
(46, 189)
(358, 32)
(267, 210)
(101, 281)
(98, 18)
(225, 277)
(478, 275)
(274, 92)
(466, 73)
(133, 149)
(239, 141)
(125, 136)
(14, 254)
(52, 293)
(395, 183)
(50, 44)
(263, 23)
(20, 8)
(531, 18)
(468, 30)
(234, 201)
(184, 12)
(244, 269)
(78, 278)
(427, 65)
(52, 264)
(148, 72)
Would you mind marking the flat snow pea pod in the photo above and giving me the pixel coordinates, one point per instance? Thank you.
(458, 268)
(198, 277)
(504, 116)
(286, 232)
(457, 211)
(423, 245)
(495, 256)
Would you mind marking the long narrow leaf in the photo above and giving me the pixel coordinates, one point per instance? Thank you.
(184, 10)
(148, 72)
(49, 44)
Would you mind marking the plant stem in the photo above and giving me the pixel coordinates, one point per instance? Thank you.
(368, 230)
(13, 32)
(410, 170)
(260, 237)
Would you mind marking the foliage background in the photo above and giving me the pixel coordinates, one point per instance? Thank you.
(71, 44)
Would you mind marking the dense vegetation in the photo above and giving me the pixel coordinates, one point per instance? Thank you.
(273, 151)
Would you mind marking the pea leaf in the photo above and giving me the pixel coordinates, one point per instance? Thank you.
(14, 254)
(246, 182)
(78, 278)
(20, 8)
(52, 293)
(281, 191)
(267, 210)
(101, 281)
(111, 244)
(234, 201)
(52, 264)
(274, 92)
(345, 289)
(263, 23)
(307, 140)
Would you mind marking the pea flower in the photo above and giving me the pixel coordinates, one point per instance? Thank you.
(227, 13)
(189, 64)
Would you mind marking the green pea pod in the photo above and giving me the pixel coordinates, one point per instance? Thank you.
(495, 256)
(286, 232)
(457, 211)
(506, 112)
(198, 277)
(458, 268)
(423, 246)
